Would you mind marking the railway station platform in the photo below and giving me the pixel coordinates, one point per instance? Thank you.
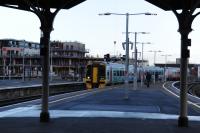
(151, 109)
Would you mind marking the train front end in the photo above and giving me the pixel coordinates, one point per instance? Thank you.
(95, 75)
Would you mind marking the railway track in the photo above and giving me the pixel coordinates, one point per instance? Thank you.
(12, 95)
(192, 100)
(193, 88)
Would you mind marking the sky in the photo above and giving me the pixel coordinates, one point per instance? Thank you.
(83, 24)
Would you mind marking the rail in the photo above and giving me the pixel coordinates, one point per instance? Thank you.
(193, 88)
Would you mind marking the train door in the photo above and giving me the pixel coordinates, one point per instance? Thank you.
(102, 76)
(94, 74)
(88, 78)
(111, 75)
(95, 77)
(107, 75)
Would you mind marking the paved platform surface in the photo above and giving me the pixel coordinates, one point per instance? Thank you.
(94, 125)
(148, 110)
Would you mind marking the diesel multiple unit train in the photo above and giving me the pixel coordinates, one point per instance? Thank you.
(100, 74)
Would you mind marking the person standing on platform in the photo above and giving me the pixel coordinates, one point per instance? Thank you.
(148, 79)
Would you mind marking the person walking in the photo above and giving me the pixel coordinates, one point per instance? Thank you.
(148, 79)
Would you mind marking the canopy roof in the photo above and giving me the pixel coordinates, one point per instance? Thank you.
(174, 4)
(21, 4)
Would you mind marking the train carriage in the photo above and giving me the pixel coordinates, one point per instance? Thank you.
(114, 73)
(100, 74)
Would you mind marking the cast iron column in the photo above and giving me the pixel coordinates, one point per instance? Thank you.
(185, 19)
(46, 18)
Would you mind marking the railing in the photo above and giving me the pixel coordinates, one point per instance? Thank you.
(73, 49)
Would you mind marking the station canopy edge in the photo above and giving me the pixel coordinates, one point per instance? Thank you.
(168, 5)
(22, 4)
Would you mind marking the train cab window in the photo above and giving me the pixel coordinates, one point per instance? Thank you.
(89, 70)
(115, 73)
(118, 73)
(102, 71)
(108, 74)
(121, 73)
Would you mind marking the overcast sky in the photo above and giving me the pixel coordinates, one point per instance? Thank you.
(82, 23)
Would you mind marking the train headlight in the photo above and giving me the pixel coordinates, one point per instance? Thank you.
(88, 77)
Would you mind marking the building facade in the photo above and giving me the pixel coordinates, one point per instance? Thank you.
(21, 59)
(68, 60)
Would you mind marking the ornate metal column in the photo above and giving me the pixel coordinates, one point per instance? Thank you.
(185, 19)
(42, 8)
(46, 19)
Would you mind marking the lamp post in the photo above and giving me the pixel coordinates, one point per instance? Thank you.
(165, 78)
(155, 51)
(4, 67)
(143, 50)
(142, 59)
(135, 63)
(127, 44)
(114, 48)
(10, 70)
(23, 62)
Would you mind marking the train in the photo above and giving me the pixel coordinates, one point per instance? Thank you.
(95, 75)
(172, 74)
(100, 74)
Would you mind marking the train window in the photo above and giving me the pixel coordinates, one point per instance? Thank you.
(108, 74)
(115, 73)
(102, 71)
(118, 73)
(122, 73)
(89, 70)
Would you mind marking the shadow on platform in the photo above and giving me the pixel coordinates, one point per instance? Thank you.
(94, 125)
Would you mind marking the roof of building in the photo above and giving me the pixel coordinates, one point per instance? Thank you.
(174, 4)
(11, 39)
(25, 4)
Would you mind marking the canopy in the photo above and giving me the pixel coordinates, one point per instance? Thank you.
(174, 4)
(22, 4)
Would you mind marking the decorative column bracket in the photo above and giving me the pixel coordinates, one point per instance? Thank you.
(42, 8)
(46, 18)
(185, 19)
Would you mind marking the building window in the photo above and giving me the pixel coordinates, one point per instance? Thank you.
(37, 46)
(17, 44)
(29, 45)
